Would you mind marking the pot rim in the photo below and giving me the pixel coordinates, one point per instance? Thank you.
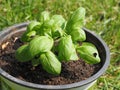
(66, 86)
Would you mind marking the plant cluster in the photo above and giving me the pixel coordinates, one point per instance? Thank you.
(52, 40)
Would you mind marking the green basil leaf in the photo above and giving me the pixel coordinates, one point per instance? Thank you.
(76, 20)
(33, 26)
(50, 63)
(28, 36)
(22, 54)
(58, 26)
(78, 35)
(58, 20)
(66, 49)
(89, 53)
(44, 16)
(48, 24)
(45, 29)
(58, 33)
(52, 27)
(45, 32)
(75, 24)
(40, 44)
(31, 31)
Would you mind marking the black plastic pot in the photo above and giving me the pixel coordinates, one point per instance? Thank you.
(12, 83)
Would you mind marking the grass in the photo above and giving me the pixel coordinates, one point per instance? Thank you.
(103, 17)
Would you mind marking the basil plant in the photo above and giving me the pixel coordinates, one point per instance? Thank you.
(52, 39)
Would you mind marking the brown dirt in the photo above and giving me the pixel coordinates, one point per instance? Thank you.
(73, 71)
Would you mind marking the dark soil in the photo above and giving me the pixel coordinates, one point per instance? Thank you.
(73, 71)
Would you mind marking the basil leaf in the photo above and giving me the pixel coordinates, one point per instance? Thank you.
(31, 31)
(28, 36)
(58, 26)
(66, 49)
(75, 24)
(89, 53)
(40, 44)
(34, 25)
(58, 21)
(46, 28)
(50, 63)
(44, 16)
(22, 54)
(78, 34)
(45, 32)
(77, 19)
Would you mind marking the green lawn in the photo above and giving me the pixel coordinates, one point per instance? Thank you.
(103, 17)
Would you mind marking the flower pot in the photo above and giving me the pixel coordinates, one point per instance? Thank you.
(9, 82)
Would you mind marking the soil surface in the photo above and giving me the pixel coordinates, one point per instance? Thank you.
(73, 71)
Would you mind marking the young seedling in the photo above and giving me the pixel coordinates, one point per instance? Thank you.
(51, 40)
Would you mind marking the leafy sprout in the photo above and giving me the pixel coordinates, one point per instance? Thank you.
(52, 40)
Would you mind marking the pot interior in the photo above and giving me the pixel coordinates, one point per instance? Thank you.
(91, 37)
